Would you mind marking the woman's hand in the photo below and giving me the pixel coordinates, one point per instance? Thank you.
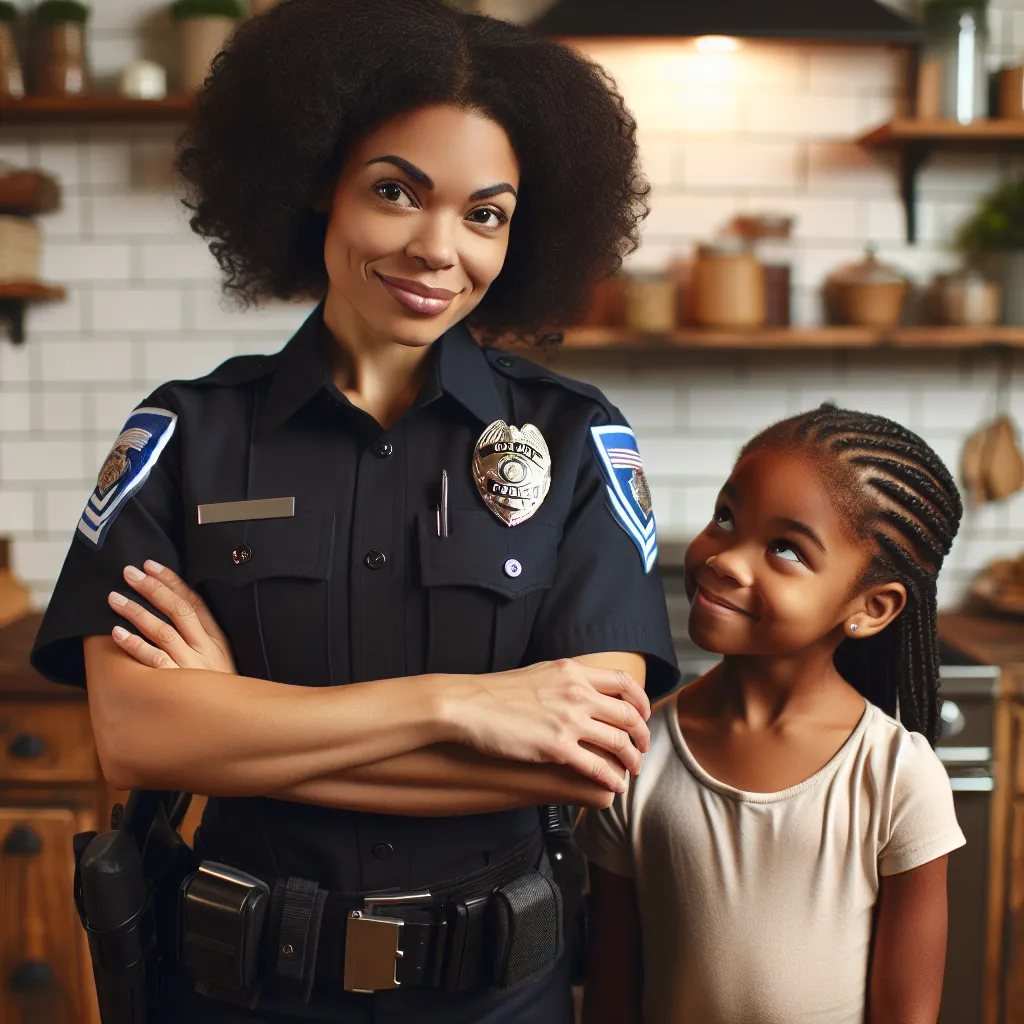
(194, 641)
(555, 712)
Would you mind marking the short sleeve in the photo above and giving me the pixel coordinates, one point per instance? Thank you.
(148, 525)
(923, 823)
(603, 836)
(602, 598)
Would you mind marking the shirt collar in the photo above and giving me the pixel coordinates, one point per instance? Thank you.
(460, 369)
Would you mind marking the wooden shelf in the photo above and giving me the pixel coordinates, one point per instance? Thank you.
(16, 296)
(95, 109)
(915, 139)
(607, 339)
(905, 131)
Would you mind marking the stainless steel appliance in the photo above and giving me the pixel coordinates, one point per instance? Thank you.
(965, 747)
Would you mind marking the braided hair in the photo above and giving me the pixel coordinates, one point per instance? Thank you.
(896, 492)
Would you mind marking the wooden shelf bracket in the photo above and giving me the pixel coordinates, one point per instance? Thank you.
(912, 159)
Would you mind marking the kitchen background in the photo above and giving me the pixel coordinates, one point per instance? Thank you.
(728, 129)
(770, 126)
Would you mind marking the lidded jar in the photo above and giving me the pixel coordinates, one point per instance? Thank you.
(868, 293)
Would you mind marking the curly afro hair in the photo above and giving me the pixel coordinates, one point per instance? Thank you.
(297, 85)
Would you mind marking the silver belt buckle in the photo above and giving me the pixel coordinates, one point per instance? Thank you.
(372, 949)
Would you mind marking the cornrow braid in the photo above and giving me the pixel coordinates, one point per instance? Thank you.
(905, 500)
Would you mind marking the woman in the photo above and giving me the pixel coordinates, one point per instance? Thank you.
(405, 537)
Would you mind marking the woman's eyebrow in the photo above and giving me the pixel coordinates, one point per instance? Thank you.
(493, 190)
(427, 182)
(411, 169)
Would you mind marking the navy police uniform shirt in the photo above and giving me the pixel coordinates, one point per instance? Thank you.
(357, 585)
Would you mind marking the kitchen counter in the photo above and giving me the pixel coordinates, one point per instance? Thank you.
(17, 677)
(989, 640)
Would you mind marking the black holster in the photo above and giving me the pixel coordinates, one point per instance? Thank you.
(126, 882)
(569, 869)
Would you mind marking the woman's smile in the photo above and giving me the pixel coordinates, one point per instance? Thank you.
(416, 296)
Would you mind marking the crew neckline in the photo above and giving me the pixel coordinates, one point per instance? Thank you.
(747, 796)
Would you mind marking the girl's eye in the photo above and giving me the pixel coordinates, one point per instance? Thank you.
(488, 217)
(723, 520)
(783, 549)
(392, 192)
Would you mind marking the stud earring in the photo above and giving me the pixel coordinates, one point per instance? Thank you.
(853, 627)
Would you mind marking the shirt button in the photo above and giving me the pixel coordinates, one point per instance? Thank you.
(504, 361)
(241, 554)
(374, 559)
(384, 449)
(382, 851)
(513, 568)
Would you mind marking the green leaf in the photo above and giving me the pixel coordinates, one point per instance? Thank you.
(56, 12)
(184, 9)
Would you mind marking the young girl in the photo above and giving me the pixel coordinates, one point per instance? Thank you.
(782, 855)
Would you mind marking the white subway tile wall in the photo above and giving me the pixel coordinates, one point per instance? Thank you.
(769, 127)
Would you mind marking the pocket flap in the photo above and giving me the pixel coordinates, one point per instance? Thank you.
(481, 552)
(240, 552)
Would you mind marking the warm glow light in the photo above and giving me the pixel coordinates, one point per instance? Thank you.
(717, 44)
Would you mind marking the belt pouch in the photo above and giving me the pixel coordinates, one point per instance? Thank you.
(299, 904)
(221, 913)
(527, 928)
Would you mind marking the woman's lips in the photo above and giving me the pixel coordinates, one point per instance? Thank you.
(717, 605)
(417, 297)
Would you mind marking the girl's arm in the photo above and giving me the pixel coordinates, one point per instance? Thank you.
(614, 988)
(909, 951)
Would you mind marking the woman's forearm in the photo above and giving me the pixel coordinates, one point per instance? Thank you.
(446, 780)
(228, 735)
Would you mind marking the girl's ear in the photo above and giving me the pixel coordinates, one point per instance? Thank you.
(876, 609)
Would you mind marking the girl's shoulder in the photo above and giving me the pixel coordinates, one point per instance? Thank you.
(906, 758)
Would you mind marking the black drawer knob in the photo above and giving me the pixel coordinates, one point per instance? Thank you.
(31, 976)
(26, 746)
(22, 841)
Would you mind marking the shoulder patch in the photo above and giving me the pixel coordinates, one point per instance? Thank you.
(125, 469)
(628, 493)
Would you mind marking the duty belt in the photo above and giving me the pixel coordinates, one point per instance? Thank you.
(496, 926)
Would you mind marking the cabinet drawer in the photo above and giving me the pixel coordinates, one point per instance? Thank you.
(46, 742)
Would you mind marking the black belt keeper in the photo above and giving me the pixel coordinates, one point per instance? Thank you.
(298, 904)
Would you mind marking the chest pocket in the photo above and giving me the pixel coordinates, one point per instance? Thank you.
(266, 582)
(484, 583)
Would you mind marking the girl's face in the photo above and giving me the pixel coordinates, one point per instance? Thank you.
(419, 223)
(775, 571)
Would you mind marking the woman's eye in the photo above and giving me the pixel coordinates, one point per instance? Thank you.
(723, 520)
(783, 549)
(488, 217)
(392, 192)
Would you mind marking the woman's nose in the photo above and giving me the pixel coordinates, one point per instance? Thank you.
(731, 565)
(433, 244)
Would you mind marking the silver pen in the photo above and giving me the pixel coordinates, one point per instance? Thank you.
(442, 509)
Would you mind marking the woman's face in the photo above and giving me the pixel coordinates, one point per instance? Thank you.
(419, 224)
(774, 571)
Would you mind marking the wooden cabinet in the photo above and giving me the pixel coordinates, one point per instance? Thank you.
(1000, 642)
(50, 788)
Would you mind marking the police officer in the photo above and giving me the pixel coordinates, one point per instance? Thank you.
(388, 503)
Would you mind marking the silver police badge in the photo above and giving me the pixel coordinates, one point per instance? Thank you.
(512, 470)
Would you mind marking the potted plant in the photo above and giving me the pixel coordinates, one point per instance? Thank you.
(205, 27)
(12, 84)
(61, 65)
(993, 239)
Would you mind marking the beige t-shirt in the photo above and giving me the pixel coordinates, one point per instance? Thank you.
(756, 907)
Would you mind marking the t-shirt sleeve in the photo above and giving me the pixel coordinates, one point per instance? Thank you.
(923, 823)
(603, 836)
(603, 598)
(146, 524)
